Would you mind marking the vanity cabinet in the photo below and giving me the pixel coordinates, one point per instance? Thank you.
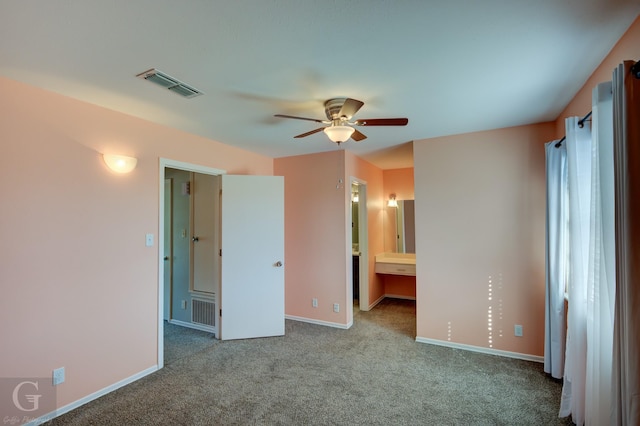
(396, 264)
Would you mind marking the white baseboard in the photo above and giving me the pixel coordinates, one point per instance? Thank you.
(375, 302)
(384, 296)
(398, 296)
(62, 410)
(194, 326)
(319, 322)
(488, 351)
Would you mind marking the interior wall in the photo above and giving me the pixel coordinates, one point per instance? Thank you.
(315, 234)
(317, 226)
(399, 182)
(480, 200)
(627, 48)
(80, 288)
(363, 170)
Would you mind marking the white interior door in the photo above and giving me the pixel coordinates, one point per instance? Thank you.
(252, 284)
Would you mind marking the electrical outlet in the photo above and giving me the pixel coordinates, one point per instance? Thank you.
(336, 307)
(517, 330)
(184, 304)
(314, 302)
(58, 376)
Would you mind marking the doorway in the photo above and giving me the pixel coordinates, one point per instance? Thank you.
(180, 304)
(251, 295)
(191, 242)
(358, 291)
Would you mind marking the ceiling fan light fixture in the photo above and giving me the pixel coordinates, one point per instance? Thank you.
(339, 134)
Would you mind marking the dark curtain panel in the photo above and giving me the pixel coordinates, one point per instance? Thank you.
(626, 345)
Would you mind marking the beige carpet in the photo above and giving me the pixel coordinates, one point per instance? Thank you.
(372, 374)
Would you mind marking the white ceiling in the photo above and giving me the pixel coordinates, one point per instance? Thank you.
(449, 66)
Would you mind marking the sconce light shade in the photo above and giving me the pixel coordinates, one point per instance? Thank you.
(120, 163)
(392, 201)
(339, 134)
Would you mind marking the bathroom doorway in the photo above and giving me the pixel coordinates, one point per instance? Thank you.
(359, 285)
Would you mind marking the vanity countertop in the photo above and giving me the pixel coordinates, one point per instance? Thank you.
(403, 258)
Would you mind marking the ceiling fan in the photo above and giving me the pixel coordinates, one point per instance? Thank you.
(339, 112)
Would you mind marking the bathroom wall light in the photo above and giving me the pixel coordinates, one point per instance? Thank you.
(392, 201)
(120, 163)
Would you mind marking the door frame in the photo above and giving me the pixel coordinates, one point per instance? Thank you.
(189, 167)
(363, 240)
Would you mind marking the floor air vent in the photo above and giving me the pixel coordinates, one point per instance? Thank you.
(203, 312)
(173, 84)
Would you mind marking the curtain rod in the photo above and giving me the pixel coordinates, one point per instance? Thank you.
(635, 71)
(580, 124)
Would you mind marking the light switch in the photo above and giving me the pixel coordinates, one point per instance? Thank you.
(149, 240)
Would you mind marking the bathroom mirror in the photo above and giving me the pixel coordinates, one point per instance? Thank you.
(399, 228)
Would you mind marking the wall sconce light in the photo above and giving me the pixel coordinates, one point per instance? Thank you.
(392, 201)
(354, 197)
(120, 163)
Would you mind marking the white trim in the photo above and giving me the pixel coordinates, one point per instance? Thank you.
(190, 167)
(72, 406)
(192, 325)
(375, 302)
(399, 296)
(319, 322)
(488, 351)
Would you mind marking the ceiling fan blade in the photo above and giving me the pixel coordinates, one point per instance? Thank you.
(350, 107)
(382, 122)
(357, 136)
(299, 118)
(303, 135)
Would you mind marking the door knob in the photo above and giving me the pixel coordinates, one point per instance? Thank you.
(166, 258)
(278, 264)
(195, 239)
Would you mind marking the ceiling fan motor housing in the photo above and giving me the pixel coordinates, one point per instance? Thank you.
(332, 108)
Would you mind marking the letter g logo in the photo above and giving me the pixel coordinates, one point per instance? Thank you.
(33, 399)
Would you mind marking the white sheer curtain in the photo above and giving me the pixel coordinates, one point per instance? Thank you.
(586, 392)
(601, 279)
(602, 366)
(626, 347)
(578, 140)
(556, 259)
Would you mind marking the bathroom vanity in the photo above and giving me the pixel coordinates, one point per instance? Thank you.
(396, 264)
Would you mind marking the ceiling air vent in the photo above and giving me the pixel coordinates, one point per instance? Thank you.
(173, 84)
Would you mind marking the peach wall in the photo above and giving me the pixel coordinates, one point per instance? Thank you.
(79, 287)
(317, 230)
(480, 200)
(315, 235)
(373, 176)
(627, 48)
(399, 182)
(399, 286)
